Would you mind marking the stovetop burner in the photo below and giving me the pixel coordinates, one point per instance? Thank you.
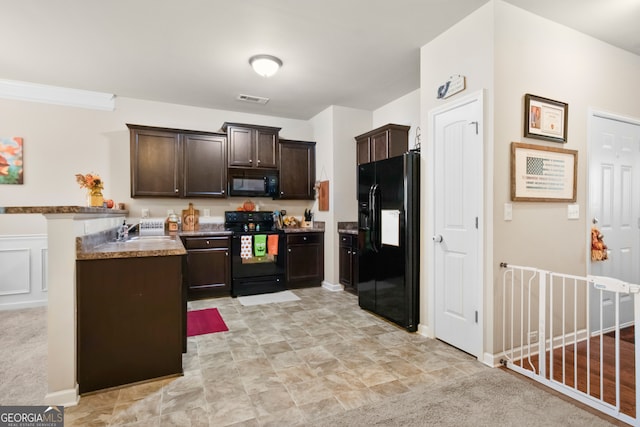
(249, 222)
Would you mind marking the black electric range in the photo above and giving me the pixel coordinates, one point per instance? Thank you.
(253, 272)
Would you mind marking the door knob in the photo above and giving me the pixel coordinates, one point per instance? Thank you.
(438, 238)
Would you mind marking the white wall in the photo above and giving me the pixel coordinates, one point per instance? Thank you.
(402, 111)
(508, 52)
(465, 49)
(535, 55)
(334, 132)
(62, 141)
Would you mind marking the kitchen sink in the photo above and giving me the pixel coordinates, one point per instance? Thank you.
(149, 238)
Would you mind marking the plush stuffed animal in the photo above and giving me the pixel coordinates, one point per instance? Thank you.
(598, 248)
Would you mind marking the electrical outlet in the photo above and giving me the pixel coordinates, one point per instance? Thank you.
(145, 213)
(533, 336)
(508, 211)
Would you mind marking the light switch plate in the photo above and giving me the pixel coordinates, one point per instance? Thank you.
(573, 211)
(508, 211)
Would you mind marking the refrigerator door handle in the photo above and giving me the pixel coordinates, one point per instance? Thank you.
(375, 215)
(370, 219)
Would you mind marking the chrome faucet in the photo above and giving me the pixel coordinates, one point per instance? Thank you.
(123, 232)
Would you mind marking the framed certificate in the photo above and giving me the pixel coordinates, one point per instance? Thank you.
(545, 118)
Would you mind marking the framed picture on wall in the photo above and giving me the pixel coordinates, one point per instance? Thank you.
(543, 174)
(545, 118)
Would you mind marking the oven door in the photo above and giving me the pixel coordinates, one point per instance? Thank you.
(251, 266)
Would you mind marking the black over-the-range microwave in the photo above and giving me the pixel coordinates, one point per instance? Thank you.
(252, 182)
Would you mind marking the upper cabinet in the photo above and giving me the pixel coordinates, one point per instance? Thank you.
(386, 141)
(297, 169)
(252, 146)
(177, 163)
(205, 168)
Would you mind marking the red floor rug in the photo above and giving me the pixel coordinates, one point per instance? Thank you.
(208, 321)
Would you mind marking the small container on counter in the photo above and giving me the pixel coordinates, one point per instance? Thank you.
(172, 223)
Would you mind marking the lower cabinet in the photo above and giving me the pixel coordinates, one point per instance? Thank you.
(305, 259)
(130, 320)
(208, 266)
(348, 262)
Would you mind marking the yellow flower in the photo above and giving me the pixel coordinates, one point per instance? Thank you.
(89, 181)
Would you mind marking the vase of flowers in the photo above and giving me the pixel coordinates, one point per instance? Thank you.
(94, 185)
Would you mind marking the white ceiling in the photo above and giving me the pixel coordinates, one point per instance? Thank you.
(354, 53)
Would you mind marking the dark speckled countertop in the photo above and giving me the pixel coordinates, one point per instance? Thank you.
(60, 210)
(165, 246)
(348, 227)
(104, 245)
(318, 227)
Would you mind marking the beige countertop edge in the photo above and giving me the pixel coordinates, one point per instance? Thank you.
(129, 254)
(60, 210)
(347, 231)
(303, 230)
(133, 250)
(199, 233)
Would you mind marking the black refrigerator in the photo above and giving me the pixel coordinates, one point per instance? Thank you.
(389, 238)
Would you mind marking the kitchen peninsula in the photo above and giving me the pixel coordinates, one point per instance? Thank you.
(64, 225)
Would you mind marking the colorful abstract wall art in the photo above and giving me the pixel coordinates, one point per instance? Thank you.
(11, 166)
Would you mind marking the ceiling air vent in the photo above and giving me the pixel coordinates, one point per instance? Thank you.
(253, 99)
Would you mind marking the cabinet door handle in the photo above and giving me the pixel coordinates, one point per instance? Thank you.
(282, 193)
(226, 253)
(289, 249)
(304, 238)
(258, 161)
(250, 161)
(176, 190)
(222, 192)
(207, 243)
(348, 252)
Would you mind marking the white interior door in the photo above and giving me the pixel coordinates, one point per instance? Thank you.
(457, 210)
(615, 209)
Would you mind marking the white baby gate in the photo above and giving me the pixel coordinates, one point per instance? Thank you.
(576, 323)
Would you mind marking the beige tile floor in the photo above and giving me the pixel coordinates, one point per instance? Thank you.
(281, 364)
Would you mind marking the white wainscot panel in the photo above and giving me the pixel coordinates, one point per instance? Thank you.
(23, 272)
(14, 270)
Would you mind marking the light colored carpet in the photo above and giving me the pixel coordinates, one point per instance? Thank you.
(23, 356)
(489, 398)
(284, 296)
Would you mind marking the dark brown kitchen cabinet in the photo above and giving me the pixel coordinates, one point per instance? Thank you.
(297, 169)
(386, 141)
(305, 259)
(205, 168)
(177, 163)
(130, 320)
(348, 261)
(252, 146)
(156, 164)
(208, 272)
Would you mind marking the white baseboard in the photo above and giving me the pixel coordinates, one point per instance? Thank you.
(69, 397)
(21, 305)
(425, 331)
(331, 287)
(491, 360)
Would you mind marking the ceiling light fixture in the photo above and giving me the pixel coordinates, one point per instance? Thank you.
(265, 65)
